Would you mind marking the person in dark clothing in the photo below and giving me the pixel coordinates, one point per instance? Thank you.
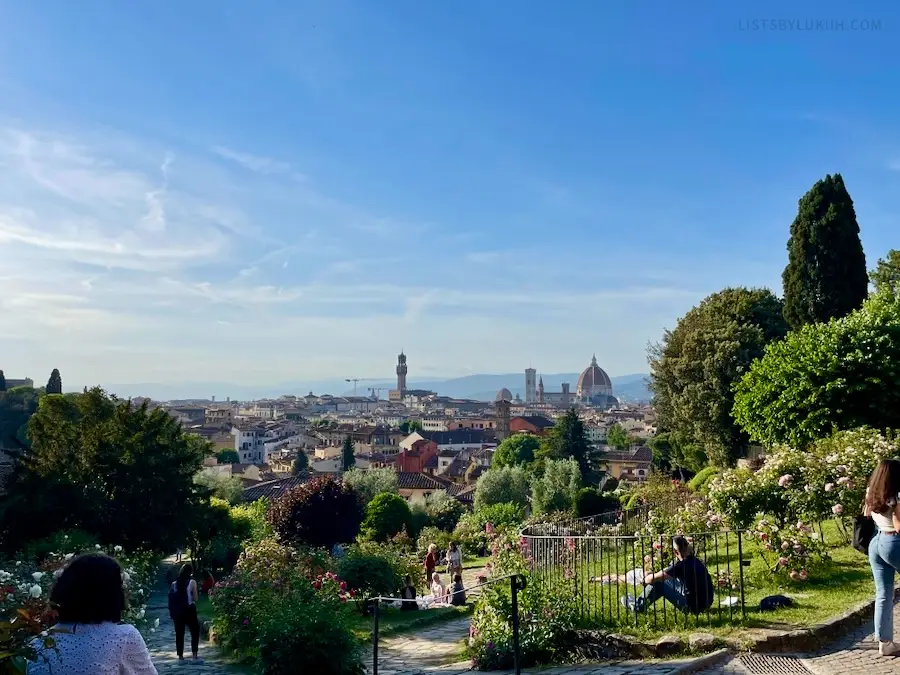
(408, 593)
(458, 597)
(183, 596)
(686, 583)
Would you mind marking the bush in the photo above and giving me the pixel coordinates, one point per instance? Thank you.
(592, 502)
(419, 520)
(386, 515)
(557, 488)
(444, 511)
(700, 482)
(500, 515)
(504, 485)
(272, 613)
(370, 573)
(320, 513)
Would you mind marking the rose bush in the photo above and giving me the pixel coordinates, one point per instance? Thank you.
(284, 611)
(790, 551)
(26, 582)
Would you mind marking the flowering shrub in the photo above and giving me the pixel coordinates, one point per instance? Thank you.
(826, 481)
(547, 610)
(789, 551)
(283, 611)
(25, 584)
(696, 517)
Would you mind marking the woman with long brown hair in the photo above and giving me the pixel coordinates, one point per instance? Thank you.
(883, 504)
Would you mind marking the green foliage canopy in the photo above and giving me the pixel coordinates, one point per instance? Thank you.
(694, 367)
(348, 458)
(518, 449)
(826, 377)
(387, 514)
(885, 277)
(368, 483)
(508, 484)
(557, 489)
(566, 439)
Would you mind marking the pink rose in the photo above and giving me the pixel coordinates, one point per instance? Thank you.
(795, 575)
(804, 575)
(785, 480)
(829, 487)
(782, 562)
(837, 509)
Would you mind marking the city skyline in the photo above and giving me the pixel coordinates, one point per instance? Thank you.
(266, 194)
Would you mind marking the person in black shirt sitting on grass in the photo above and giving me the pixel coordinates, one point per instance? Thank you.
(686, 584)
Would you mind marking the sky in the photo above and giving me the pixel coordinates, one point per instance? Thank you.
(270, 191)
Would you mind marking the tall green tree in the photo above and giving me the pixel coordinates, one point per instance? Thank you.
(16, 407)
(300, 464)
(617, 437)
(568, 438)
(557, 489)
(348, 460)
(826, 377)
(518, 449)
(826, 274)
(885, 277)
(367, 483)
(694, 367)
(96, 463)
(2, 381)
(507, 485)
(54, 384)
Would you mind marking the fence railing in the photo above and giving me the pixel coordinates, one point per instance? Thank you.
(600, 561)
(517, 583)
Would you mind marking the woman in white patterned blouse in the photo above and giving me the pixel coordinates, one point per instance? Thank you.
(90, 640)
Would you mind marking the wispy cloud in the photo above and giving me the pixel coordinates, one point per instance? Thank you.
(259, 164)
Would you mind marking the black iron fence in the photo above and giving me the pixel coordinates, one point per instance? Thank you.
(603, 564)
(517, 583)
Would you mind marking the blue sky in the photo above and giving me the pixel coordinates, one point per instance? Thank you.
(263, 192)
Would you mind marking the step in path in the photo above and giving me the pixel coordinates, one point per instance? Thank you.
(854, 654)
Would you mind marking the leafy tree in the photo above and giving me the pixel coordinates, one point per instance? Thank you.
(885, 277)
(54, 384)
(508, 484)
(386, 515)
(557, 489)
(96, 463)
(568, 438)
(411, 426)
(348, 459)
(673, 453)
(17, 405)
(516, 450)
(826, 377)
(694, 367)
(368, 483)
(499, 515)
(443, 510)
(300, 464)
(592, 502)
(320, 513)
(227, 457)
(825, 276)
(618, 438)
(2, 381)
(227, 488)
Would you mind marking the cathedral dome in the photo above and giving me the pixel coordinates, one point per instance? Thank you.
(593, 381)
(504, 395)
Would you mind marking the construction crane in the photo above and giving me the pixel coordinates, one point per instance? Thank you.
(376, 392)
(354, 380)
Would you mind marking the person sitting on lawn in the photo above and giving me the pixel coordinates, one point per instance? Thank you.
(438, 590)
(408, 594)
(458, 594)
(686, 584)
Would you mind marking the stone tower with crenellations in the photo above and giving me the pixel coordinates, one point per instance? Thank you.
(401, 373)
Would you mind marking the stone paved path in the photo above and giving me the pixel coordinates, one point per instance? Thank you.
(162, 644)
(434, 650)
(855, 653)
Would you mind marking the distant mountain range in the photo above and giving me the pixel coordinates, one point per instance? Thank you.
(627, 388)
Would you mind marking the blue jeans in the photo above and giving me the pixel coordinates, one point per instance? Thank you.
(884, 556)
(670, 589)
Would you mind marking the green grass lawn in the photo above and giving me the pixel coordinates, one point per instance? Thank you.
(204, 608)
(394, 622)
(475, 563)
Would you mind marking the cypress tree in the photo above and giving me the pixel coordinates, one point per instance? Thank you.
(826, 272)
(348, 460)
(2, 381)
(54, 384)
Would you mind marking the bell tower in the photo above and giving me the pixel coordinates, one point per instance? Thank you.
(401, 373)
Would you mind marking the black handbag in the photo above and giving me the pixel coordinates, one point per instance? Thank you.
(863, 533)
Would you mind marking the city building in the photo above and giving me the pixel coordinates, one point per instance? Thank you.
(396, 395)
(633, 464)
(24, 382)
(530, 386)
(532, 424)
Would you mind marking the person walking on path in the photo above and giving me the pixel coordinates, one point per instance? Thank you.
(183, 598)
(89, 638)
(883, 504)
(454, 559)
(430, 563)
